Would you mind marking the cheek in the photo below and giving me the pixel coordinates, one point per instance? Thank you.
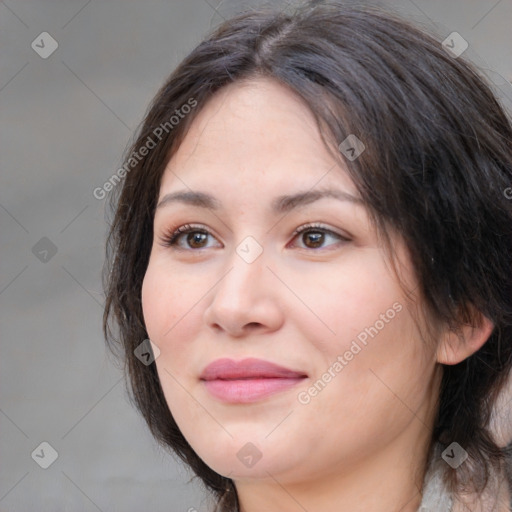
(171, 304)
(350, 298)
(169, 319)
(371, 328)
(374, 392)
(154, 302)
(164, 301)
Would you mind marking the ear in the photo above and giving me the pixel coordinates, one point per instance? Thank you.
(458, 344)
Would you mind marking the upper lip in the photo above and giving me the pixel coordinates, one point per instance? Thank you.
(249, 368)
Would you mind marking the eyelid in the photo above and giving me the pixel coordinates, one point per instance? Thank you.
(321, 227)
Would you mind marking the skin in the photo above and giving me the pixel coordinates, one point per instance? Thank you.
(360, 444)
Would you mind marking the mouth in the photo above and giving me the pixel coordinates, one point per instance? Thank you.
(243, 391)
(249, 380)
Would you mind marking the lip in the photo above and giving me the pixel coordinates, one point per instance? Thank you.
(248, 380)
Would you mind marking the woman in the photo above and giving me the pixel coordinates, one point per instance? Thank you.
(313, 231)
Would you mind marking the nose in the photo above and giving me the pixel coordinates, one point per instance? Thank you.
(245, 299)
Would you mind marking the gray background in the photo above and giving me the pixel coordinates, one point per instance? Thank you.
(65, 123)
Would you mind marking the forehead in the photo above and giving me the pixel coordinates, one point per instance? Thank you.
(255, 130)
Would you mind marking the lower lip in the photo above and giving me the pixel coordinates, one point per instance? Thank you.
(248, 390)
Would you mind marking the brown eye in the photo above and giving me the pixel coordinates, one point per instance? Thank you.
(317, 237)
(196, 239)
(187, 237)
(190, 237)
(313, 239)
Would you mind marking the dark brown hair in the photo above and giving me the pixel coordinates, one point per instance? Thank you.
(437, 163)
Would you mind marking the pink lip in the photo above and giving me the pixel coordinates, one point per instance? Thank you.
(248, 380)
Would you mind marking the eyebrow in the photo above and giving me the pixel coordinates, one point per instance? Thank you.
(280, 204)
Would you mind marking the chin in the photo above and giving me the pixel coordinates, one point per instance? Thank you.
(243, 459)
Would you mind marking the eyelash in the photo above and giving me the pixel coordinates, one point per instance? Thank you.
(171, 238)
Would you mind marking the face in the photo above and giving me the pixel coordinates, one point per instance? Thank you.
(299, 282)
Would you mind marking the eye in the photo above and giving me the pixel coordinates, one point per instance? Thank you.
(197, 237)
(315, 235)
(186, 237)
